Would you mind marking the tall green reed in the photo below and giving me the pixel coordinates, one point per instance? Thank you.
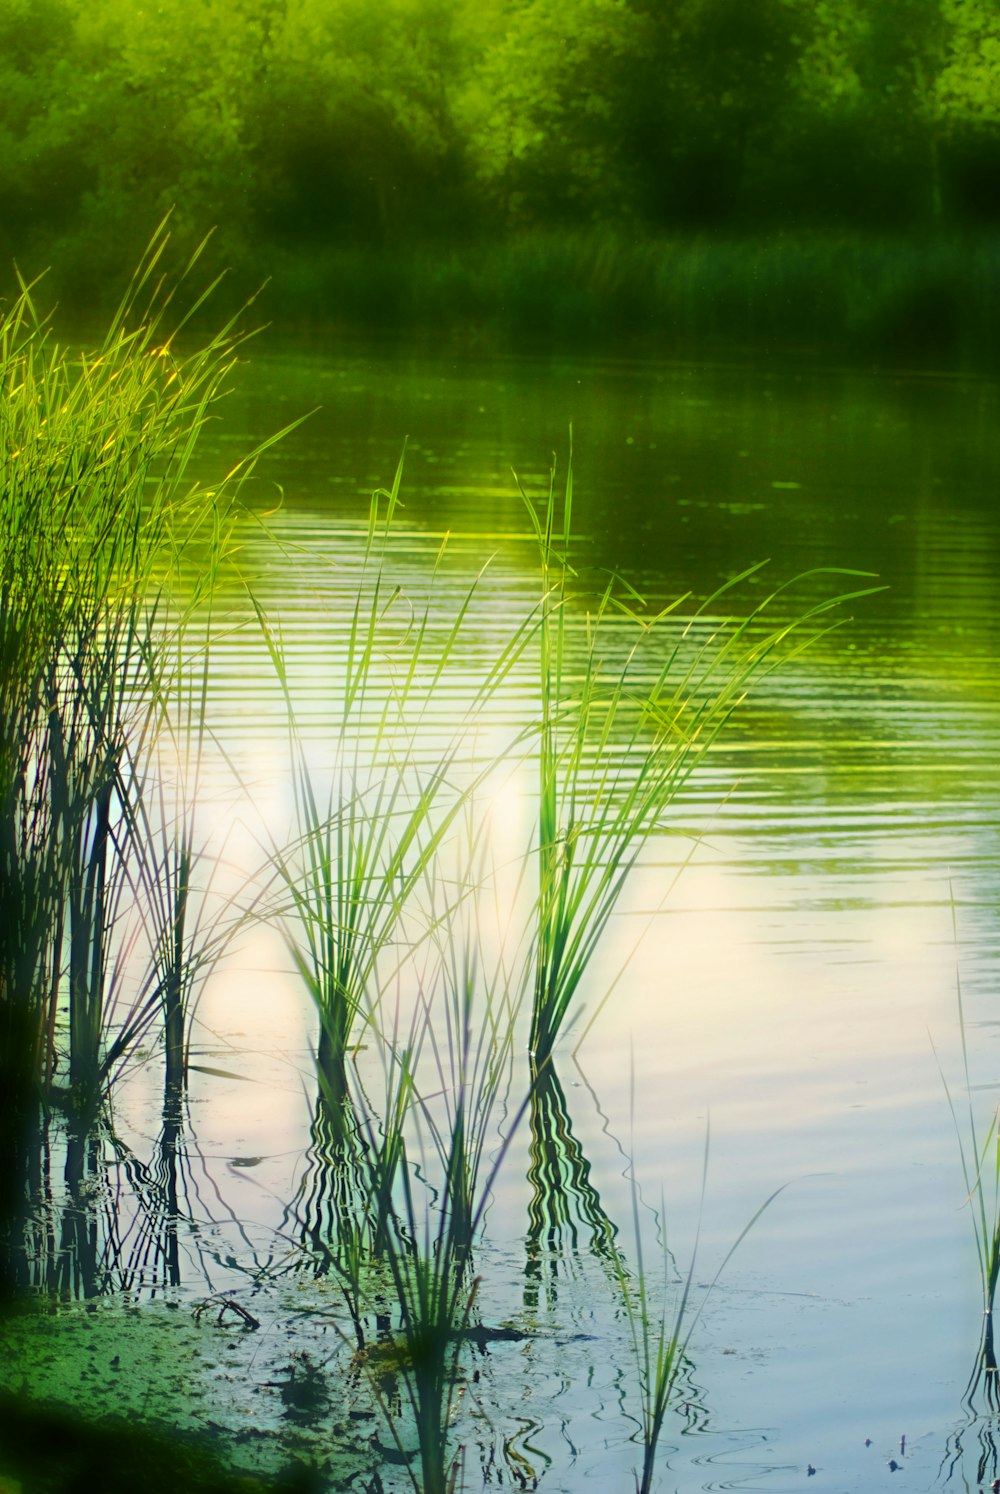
(630, 703)
(422, 1262)
(168, 868)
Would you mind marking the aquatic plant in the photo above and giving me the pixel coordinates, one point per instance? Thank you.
(170, 869)
(660, 1321)
(430, 1177)
(623, 725)
(98, 514)
(425, 1256)
(366, 832)
(469, 1009)
(659, 1332)
(425, 1261)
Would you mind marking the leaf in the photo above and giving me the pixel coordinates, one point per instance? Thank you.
(202, 1068)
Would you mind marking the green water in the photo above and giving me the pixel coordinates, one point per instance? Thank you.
(788, 986)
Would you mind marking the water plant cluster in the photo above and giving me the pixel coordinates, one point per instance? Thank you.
(102, 677)
(443, 983)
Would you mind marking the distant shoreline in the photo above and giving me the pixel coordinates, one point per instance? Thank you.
(911, 302)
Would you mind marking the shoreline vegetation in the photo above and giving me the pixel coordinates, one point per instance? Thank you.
(817, 175)
(930, 302)
(921, 303)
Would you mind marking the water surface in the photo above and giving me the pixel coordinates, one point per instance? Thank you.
(795, 988)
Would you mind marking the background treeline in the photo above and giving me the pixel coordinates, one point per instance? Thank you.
(422, 160)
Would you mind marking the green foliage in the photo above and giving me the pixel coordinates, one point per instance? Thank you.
(327, 123)
(540, 113)
(359, 135)
(968, 84)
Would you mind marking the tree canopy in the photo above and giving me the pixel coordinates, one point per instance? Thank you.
(300, 121)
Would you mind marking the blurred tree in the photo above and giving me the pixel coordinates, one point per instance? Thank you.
(827, 168)
(541, 109)
(42, 124)
(632, 111)
(968, 104)
(968, 84)
(357, 135)
(171, 112)
(313, 122)
(711, 93)
(901, 55)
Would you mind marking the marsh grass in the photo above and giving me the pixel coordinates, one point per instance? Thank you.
(469, 1015)
(384, 913)
(631, 700)
(425, 1266)
(431, 1151)
(184, 934)
(407, 1292)
(425, 1256)
(368, 829)
(405, 1163)
(845, 296)
(98, 513)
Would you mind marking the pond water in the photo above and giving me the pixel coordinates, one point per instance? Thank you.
(794, 987)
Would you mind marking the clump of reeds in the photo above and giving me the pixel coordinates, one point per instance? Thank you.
(98, 511)
(421, 1163)
(631, 700)
(423, 1257)
(370, 821)
(169, 869)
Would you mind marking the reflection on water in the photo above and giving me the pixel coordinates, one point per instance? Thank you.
(563, 1201)
(101, 1220)
(785, 984)
(328, 1203)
